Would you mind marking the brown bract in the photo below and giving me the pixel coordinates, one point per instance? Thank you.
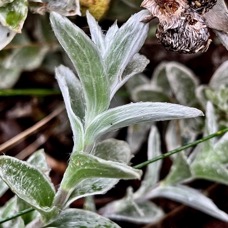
(181, 28)
(167, 11)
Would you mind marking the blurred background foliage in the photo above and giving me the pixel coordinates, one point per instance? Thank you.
(29, 95)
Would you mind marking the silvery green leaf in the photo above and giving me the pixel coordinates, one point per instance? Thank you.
(219, 98)
(151, 176)
(125, 43)
(135, 66)
(75, 218)
(190, 129)
(44, 33)
(75, 90)
(136, 81)
(136, 135)
(113, 150)
(27, 182)
(134, 113)
(160, 79)
(14, 14)
(211, 121)
(8, 77)
(182, 82)
(173, 135)
(50, 62)
(72, 95)
(109, 150)
(217, 17)
(84, 166)
(131, 211)
(210, 162)
(88, 64)
(223, 37)
(97, 35)
(210, 169)
(189, 197)
(180, 171)
(38, 160)
(109, 36)
(221, 147)
(200, 94)
(8, 210)
(220, 77)
(90, 187)
(26, 58)
(181, 132)
(64, 7)
(149, 93)
(6, 35)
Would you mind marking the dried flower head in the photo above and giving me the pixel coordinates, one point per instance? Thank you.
(191, 36)
(167, 11)
(181, 28)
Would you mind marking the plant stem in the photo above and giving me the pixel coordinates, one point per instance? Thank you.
(20, 213)
(216, 134)
(28, 92)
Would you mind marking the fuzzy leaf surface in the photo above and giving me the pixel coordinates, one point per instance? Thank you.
(134, 82)
(85, 166)
(26, 58)
(134, 113)
(14, 14)
(6, 35)
(136, 135)
(160, 79)
(130, 211)
(8, 77)
(211, 161)
(77, 218)
(97, 35)
(149, 93)
(190, 197)
(151, 176)
(27, 182)
(64, 7)
(210, 170)
(135, 66)
(71, 91)
(223, 37)
(110, 150)
(66, 77)
(182, 82)
(180, 170)
(87, 62)
(220, 77)
(125, 43)
(39, 161)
